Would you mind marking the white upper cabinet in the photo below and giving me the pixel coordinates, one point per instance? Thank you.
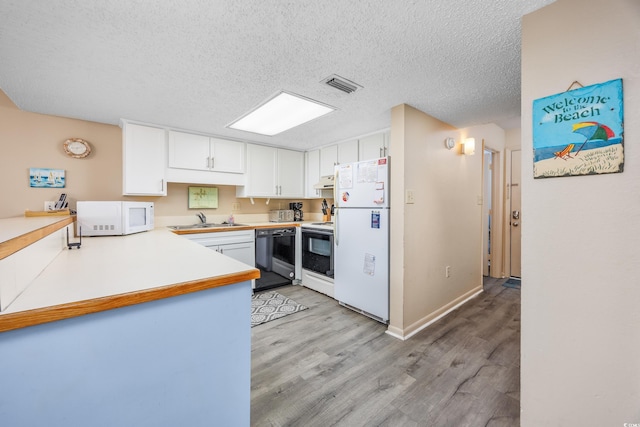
(348, 152)
(143, 160)
(227, 156)
(201, 159)
(262, 162)
(290, 173)
(200, 152)
(312, 168)
(273, 172)
(374, 146)
(345, 152)
(188, 151)
(328, 159)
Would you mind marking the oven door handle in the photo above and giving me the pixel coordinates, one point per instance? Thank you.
(308, 231)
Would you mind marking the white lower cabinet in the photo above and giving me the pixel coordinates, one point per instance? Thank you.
(243, 252)
(239, 245)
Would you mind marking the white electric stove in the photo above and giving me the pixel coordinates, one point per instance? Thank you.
(317, 257)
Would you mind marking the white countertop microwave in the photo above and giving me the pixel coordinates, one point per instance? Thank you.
(113, 218)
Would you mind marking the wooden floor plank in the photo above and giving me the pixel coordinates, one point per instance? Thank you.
(331, 366)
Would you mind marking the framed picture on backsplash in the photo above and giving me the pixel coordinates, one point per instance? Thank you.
(203, 198)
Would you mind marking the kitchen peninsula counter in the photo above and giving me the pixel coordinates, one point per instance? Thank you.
(147, 329)
(109, 272)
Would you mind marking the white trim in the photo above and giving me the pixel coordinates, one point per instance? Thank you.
(435, 316)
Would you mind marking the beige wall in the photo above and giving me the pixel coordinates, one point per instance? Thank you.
(580, 292)
(35, 140)
(442, 228)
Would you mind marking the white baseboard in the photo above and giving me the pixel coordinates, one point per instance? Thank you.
(406, 333)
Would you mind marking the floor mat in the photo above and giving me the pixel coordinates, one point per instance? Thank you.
(513, 282)
(268, 306)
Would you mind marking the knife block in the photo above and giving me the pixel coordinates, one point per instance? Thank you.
(326, 218)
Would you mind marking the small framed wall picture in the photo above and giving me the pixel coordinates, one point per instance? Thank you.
(46, 178)
(579, 132)
(203, 198)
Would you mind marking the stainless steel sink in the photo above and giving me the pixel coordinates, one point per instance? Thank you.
(205, 225)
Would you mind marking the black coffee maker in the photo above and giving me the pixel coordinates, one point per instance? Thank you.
(296, 207)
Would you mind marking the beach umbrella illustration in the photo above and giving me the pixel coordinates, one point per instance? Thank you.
(592, 131)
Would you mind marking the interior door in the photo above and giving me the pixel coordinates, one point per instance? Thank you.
(515, 215)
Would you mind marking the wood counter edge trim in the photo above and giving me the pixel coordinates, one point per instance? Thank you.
(12, 246)
(23, 319)
(236, 228)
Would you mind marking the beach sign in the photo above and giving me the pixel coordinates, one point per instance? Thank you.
(579, 132)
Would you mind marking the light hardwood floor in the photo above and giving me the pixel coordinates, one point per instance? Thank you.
(329, 366)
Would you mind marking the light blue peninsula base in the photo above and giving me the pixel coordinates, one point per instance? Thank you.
(179, 361)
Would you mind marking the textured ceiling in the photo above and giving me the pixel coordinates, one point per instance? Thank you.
(200, 64)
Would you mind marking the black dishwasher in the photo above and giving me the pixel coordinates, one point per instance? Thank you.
(275, 257)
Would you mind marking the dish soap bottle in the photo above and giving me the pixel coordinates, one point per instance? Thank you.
(231, 220)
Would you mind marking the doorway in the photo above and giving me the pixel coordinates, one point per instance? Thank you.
(515, 215)
(487, 208)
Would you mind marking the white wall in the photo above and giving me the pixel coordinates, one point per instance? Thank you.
(581, 263)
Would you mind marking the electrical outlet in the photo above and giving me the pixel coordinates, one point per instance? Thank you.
(409, 197)
(447, 271)
(235, 206)
(49, 205)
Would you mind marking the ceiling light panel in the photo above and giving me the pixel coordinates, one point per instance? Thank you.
(280, 113)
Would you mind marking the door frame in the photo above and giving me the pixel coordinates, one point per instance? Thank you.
(497, 210)
(506, 245)
(488, 202)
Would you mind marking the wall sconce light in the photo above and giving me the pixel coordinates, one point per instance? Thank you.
(469, 146)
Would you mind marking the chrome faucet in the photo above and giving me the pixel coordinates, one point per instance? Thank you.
(203, 219)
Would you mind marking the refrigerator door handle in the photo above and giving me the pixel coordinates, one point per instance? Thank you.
(335, 186)
(335, 227)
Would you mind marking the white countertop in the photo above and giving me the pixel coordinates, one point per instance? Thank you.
(13, 227)
(107, 266)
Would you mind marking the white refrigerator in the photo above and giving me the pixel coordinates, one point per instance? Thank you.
(361, 237)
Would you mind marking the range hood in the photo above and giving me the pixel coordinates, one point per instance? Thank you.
(325, 183)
